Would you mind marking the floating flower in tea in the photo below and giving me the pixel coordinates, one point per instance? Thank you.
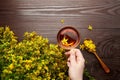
(68, 41)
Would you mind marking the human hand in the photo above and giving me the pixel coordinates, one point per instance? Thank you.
(76, 64)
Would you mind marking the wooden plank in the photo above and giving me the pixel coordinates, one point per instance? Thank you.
(54, 22)
(38, 3)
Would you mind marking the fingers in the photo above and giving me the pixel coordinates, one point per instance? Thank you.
(68, 63)
(71, 57)
(79, 56)
(74, 55)
(67, 53)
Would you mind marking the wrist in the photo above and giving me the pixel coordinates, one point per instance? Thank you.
(76, 79)
(79, 78)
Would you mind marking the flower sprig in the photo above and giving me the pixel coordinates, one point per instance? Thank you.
(64, 41)
(89, 45)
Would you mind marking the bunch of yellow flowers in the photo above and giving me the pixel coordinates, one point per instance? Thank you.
(33, 58)
(88, 45)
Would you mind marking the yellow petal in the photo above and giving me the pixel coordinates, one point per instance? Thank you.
(62, 20)
(90, 27)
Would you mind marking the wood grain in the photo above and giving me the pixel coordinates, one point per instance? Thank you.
(43, 16)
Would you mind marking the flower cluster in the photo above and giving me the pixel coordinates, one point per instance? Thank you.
(88, 45)
(33, 58)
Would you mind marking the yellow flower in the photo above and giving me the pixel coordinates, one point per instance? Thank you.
(27, 67)
(62, 20)
(7, 29)
(48, 78)
(43, 62)
(46, 68)
(92, 47)
(39, 67)
(11, 66)
(37, 72)
(37, 52)
(13, 60)
(5, 71)
(90, 27)
(21, 57)
(61, 75)
(48, 74)
(32, 77)
(82, 47)
(28, 61)
(64, 41)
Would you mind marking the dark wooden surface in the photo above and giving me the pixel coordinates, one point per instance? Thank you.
(43, 16)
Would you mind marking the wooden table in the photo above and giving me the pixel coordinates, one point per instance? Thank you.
(44, 17)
